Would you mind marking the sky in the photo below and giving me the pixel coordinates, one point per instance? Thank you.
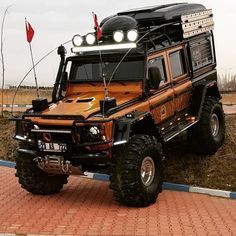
(57, 21)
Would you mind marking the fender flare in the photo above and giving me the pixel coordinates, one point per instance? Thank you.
(123, 126)
(199, 94)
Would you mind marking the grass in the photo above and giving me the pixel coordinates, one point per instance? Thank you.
(216, 171)
(24, 96)
(229, 98)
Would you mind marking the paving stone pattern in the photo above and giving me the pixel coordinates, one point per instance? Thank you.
(86, 207)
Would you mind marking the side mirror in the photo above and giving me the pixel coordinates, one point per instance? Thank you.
(154, 77)
(61, 50)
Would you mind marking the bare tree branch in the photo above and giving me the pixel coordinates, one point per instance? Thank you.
(2, 56)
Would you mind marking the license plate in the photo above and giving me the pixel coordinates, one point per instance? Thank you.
(52, 147)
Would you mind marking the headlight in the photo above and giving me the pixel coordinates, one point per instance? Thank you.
(77, 40)
(92, 133)
(23, 130)
(94, 130)
(90, 39)
(132, 35)
(118, 36)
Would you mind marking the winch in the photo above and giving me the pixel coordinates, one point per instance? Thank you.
(57, 165)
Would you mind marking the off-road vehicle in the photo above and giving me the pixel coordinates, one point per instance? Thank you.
(147, 77)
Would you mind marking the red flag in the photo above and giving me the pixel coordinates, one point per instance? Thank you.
(97, 27)
(29, 31)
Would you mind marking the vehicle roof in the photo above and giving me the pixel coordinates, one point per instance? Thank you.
(159, 14)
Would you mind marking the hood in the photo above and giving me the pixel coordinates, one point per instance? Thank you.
(85, 104)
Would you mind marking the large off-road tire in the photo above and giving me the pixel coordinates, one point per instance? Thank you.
(209, 133)
(137, 171)
(35, 180)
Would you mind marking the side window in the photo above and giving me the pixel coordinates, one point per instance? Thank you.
(159, 63)
(177, 63)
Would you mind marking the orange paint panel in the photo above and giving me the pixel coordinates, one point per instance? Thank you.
(160, 97)
(182, 95)
(108, 130)
(187, 84)
(163, 112)
(52, 122)
(182, 102)
(141, 106)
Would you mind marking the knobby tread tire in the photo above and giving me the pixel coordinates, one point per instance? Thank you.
(35, 180)
(202, 140)
(125, 180)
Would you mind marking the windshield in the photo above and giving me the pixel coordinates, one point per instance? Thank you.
(129, 70)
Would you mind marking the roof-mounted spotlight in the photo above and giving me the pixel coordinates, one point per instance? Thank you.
(90, 39)
(118, 36)
(132, 35)
(77, 40)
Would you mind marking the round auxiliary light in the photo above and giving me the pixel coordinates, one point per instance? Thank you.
(90, 39)
(77, 40)
(94, 130)
(118, 36)
(132, 35)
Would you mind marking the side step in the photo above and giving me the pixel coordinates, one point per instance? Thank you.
(178, 127)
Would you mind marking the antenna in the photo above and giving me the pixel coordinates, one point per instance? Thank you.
(106, 96)
(103, 74)
(104, 83)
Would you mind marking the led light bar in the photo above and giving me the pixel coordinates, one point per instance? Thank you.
(50, 131)
(104, 47)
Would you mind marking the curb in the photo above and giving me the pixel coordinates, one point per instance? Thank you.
(16, 105)
(165, 185)
(7, 164)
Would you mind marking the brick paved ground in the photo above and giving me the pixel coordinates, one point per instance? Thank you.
(86, 207)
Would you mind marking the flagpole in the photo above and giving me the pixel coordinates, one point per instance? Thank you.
(30, 34)
(35, 77)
